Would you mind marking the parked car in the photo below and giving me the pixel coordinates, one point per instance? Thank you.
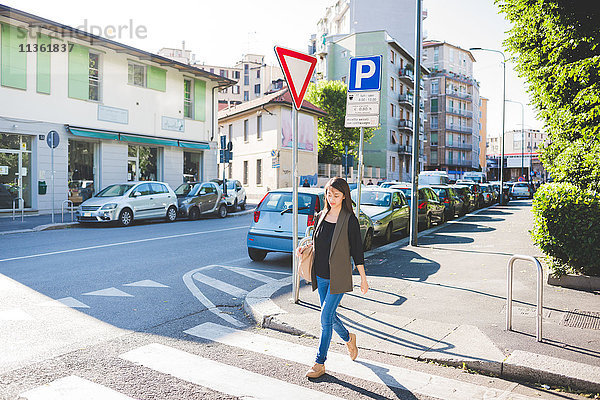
(236, 194)
(469, 200)
(80, 191)
(271, 228)
(453, 203)
(487, 193)
(478, 177)
(387, 184)
(521, 190)
(126, 202)
(197, 198)
(433, 178)
(430, 209)
(475, 189)
(387, 208)
(506, 197)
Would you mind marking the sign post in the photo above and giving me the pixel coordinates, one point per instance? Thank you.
(362, 104)
(297, 69)
(53, 140)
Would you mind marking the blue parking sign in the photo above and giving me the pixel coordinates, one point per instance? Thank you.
(365, 74)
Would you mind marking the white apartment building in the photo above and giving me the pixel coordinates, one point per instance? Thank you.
(261, 133)
(121, 114)
(521, 150)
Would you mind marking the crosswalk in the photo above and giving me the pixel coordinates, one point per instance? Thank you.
(234, 381)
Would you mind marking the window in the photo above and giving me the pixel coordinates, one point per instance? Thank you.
(435, 86)
(188, 100)
(449, 137)
(436, 54)
(230, 128)
(258, 73)
(344, 79)
(245, 172)
(433, 159)
(246, 95)
(259, 172)
(246, 75)
(136, 74)
(434, 105)
(94, 76)
(246, 80)
(235, 89)
(433, 121)
(393, 163)
(245, 130)
(223, 73)
(392, 57)
(212, 70)
(393, 110)
(434, 139)
(257, 89)
(393, 137)
(259, 127)
(393, 84)
(236, 74)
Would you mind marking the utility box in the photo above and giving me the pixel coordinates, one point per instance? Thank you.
(42, 187)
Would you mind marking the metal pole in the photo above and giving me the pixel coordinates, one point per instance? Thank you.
(523, 138)
(52, 162)
(414, 228)
(360, 170)
(502, 144)
(295, 274)
(346, 163)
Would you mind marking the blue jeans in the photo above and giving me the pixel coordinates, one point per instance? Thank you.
(329, 318)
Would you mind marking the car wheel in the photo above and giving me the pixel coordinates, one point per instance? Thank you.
(222, 212)
(126, 217)
(442, 219)
(171, 214)
(234, 206)
(388, 233)
(429, 222)
(194, 213)
(243, 205)
(256, 254)
(368, 244)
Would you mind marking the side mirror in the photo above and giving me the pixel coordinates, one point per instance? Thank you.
(137, 194)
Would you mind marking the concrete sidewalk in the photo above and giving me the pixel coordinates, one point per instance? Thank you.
(445, 301)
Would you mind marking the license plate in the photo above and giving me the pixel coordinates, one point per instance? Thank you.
(87, 214)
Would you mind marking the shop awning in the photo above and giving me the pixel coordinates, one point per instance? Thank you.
(147, 140)
(94, 134)
(188, 145)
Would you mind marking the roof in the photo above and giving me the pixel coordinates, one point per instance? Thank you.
(281, 97)
(35, 21)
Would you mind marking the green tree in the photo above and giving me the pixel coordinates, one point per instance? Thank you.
(330, 96)
(557, 49)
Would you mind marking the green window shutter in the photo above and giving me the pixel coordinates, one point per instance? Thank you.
(434, 105)
(199, 100)
(43, 65)
(157, 78)
(79, 63)
(13, 69)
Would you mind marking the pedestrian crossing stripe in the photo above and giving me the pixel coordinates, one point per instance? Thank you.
(14, 314)
(220, 285)
(217, 376)
(392, 376)
(73, 387)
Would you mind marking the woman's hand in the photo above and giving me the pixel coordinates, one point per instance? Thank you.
(300, 250)
(364, 285)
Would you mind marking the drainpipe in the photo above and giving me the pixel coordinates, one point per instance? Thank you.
(215, 123)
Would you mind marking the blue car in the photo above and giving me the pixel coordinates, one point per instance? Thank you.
(271, 229)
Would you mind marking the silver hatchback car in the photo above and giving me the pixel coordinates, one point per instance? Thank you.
(126, 202)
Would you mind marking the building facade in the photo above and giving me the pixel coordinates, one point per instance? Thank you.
(261, 133)
(121, 114)
(521, 155)
(390, 149)
(452, 108)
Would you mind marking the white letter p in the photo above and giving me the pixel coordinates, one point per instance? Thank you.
(360, 74)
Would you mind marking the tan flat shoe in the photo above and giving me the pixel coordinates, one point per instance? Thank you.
(352, 348)
(316, 371)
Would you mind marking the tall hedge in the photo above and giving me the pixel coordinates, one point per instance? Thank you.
(567, 228)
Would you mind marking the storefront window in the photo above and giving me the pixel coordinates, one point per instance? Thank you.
(192, 167)
(81, 171)
(142, 163)
(15, 171)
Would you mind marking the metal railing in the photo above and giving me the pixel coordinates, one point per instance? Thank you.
(540, 294)
(16, 199)
(62, 210)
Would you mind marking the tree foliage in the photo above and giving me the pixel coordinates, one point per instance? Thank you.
(330, 96)
(557, 49)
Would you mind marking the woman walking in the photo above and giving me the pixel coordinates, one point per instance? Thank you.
(336, 239)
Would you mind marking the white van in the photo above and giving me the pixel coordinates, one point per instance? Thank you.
(478, 177)
(433, 178)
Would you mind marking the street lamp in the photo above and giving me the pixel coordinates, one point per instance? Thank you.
(503, 109)
(522, 133)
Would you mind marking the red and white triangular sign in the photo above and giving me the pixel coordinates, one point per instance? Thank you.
(297, 68)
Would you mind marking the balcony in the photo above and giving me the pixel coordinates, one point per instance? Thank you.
(406, 98)
(461, 163)
(406, 149)
(460, 95)
(460, 111)
(459, 128)
(467, 146)
(406, 124)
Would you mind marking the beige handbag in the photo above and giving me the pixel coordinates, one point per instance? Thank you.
(306, 259)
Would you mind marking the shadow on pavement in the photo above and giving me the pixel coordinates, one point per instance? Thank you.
(466, 227)
(438, 238)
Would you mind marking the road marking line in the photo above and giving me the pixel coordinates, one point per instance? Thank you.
(121, 243)
(220, 285)
(65, 302)
(223, 378)
(146, 283)
(189, 282)
(109, 292)
(252, 274)
(14, 314)
(389, 375)
(73, 387)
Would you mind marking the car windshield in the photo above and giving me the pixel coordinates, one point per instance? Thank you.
(114, 190)
(380, 199)
(184, 189)
(440, 192)
(520, 185)
(282, 201)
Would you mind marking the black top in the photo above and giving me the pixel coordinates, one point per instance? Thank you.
(322, 242)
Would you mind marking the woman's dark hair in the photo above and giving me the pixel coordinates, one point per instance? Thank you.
(341, 185)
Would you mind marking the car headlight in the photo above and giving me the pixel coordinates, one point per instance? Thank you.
(109, 206)
(186, 201)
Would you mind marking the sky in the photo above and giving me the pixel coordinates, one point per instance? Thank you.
(220, 32)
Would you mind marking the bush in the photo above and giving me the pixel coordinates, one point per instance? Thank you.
(567, 228)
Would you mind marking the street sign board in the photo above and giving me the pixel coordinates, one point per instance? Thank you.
(297, 69)
(53, 139)
(366, 121)
(365, 73)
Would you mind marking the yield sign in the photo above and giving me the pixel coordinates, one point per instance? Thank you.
(297, 69)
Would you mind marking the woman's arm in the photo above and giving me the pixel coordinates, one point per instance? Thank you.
(364, 285)
(356, 251)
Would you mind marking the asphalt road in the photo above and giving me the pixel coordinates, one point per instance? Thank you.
(123, 312)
